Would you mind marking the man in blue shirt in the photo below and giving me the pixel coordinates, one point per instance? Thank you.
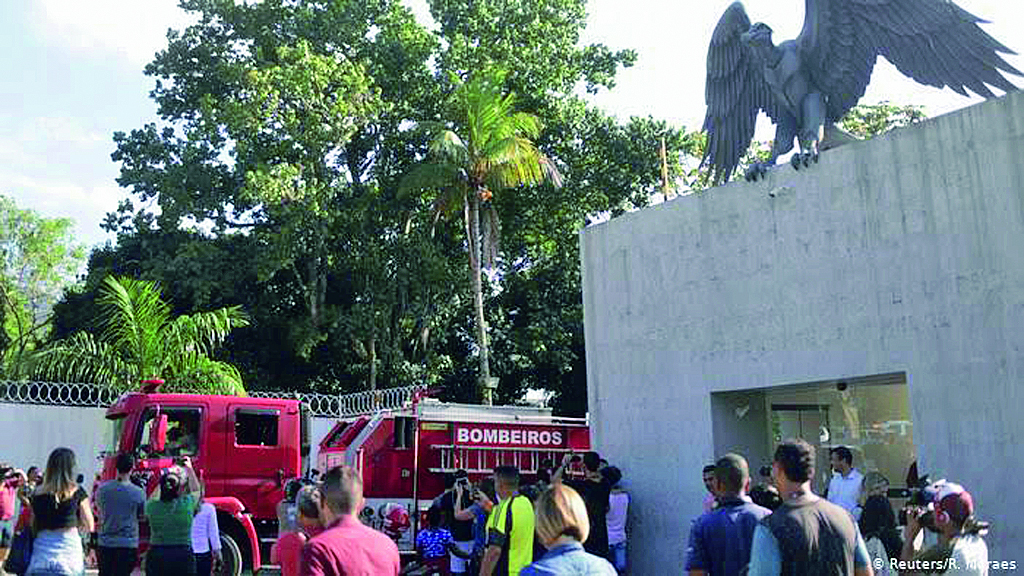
(720, 540)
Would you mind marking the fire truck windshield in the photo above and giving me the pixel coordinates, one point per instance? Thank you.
(114, 428)
(182, 432)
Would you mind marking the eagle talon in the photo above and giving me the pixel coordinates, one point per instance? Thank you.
(758, 170)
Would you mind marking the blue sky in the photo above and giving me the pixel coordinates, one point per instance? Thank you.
(72, 75)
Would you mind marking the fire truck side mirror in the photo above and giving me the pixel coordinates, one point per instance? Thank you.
(158, 434)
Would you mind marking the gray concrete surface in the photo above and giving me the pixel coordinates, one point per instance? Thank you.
(900, 254)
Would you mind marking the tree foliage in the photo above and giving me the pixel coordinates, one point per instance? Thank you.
(139, 339)
(40, 259)
(869, 120)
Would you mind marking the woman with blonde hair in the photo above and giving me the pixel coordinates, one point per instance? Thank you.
(59, 508)
(562, 527)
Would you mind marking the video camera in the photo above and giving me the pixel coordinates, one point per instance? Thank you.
(918, 505)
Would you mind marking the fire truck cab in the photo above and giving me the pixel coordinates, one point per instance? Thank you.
(244, 450)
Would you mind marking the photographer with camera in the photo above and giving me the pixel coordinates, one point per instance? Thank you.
(596, 492)
(483, 499)
(764, 493)
(170, 512)
(452, 501)
(946, 509)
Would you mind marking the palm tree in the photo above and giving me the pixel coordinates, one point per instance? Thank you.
(139, 340)
(494, 152)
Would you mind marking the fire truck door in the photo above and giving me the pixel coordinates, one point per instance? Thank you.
(256, 456)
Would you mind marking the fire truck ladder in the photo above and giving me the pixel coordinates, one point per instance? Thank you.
(353, 449)
(483, 459)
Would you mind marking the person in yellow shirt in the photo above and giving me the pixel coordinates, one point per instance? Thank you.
(509, 527)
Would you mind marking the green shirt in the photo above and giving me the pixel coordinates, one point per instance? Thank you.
(170, 523)
(517, 546)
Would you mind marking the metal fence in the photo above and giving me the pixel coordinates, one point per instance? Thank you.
(321, 405)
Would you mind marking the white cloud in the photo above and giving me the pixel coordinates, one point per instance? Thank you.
(60, 129)
(132, 29)
(86, 203)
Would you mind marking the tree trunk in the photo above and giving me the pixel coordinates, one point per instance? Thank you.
(472, 215)
(373, 361)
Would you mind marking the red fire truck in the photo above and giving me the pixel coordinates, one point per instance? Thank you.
(246, 449)
(404, 454)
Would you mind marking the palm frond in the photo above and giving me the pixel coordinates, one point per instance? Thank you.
(82, 359)
(551, 171)
(429, 128)
(450, 148)
(202, 331)
(526, 125)
(427, 176)
(516, 163)
(197, 373)
(133, 316)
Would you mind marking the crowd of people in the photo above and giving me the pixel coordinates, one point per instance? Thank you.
(562, 525)
(784, 528)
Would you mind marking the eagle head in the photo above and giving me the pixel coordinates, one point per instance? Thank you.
(759, 36)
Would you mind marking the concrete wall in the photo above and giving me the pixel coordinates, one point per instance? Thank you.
(904, 253)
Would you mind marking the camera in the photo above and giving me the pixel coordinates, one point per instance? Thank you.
(6, 470)
(925, 517)
(917, 506)
(765, 471)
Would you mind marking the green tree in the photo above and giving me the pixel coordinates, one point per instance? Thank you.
(393, 302)
(140, 339)
(40, 259)
(869, 120)
(495, 153)
(282, 117)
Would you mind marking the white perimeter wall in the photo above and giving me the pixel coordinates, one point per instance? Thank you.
(905, 253)
(28, 432)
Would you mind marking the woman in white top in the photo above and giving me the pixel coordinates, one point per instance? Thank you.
(206, 540)
(618, 506)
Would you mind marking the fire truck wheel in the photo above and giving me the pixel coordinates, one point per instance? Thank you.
(232, 553)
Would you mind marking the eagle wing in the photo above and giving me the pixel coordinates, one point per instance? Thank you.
(935, 42)
(735, 92)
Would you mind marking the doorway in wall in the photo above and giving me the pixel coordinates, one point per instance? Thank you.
(870, 415)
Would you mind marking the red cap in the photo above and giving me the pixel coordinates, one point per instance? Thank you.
(954, 500)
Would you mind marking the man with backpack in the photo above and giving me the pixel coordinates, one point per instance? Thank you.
(509, 527)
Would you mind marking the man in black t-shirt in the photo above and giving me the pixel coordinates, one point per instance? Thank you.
(595, 489)
(462, 530)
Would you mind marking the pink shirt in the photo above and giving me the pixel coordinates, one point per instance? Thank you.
(8, 492)
(287, 552)
(348, 548)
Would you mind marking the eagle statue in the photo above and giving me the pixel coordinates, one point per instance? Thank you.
(806, 85)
